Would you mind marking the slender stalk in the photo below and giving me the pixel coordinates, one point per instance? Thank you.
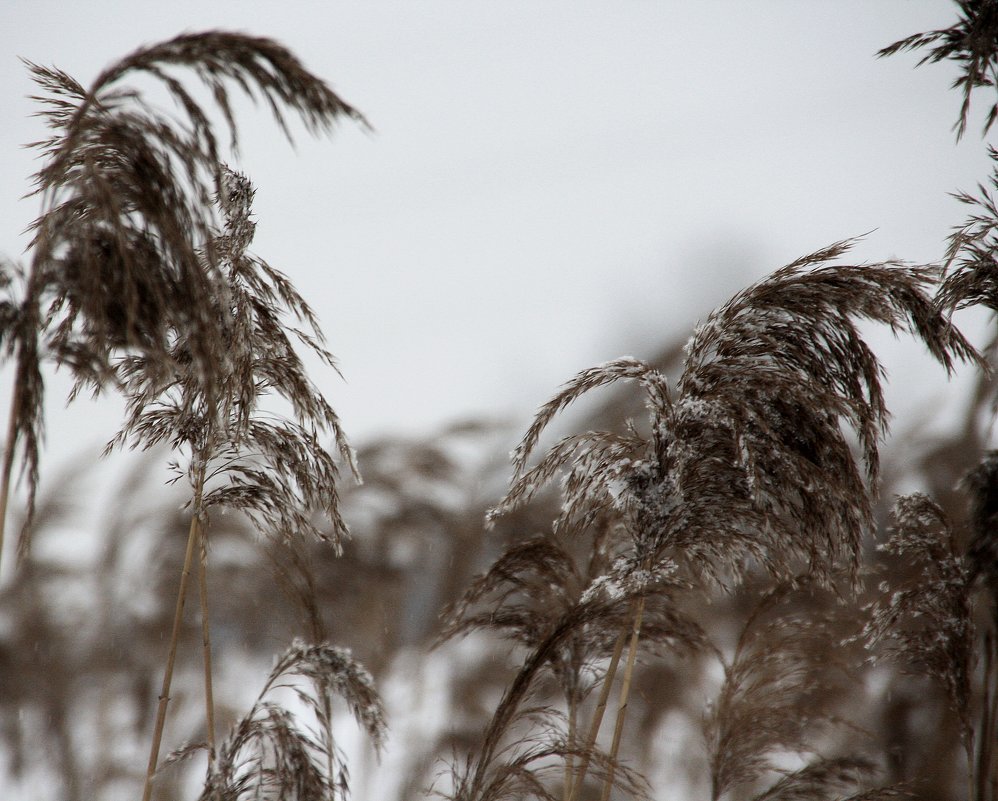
(164, 695)
(10, 445)
(625, 690)
(597, 721)
(569, 758)
(327, 711)
(209, 697)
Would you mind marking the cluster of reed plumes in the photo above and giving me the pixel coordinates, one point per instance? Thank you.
(720, 573)
(140, 282)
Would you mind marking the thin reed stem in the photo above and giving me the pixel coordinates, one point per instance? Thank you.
(209, 697)
(164, 695)
(625, 690)
(611, 671)
(327, 711)
(569, 757)
(10, 445)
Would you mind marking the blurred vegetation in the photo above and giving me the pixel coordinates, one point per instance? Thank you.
(713, 588)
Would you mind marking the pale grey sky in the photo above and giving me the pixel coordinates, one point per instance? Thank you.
(550, 184)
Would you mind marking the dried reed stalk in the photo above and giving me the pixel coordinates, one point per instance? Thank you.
(8, 465)
(164, 694)
(597, 721)
(625, 688)
(209, 694)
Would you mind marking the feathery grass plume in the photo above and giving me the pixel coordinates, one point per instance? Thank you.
(762, 462)
(274, 470)
(531, 769)
(778, 696)
(971, 268)
(122, 255)
(926, 622)
(240, 456)
(269, 753)
(974, 281)
(972, 42)
(749, 460)
(521, 595)
(619, 477)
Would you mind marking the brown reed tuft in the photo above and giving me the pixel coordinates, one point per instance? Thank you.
(749, 463)
(269, 753)
(239, 455)
(972, 42)
(749, 460)
(123, 256)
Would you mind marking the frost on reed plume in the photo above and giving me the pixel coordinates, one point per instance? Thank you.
(746, 469)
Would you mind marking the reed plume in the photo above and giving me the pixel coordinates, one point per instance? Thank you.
(566, 607)
(123, 255)
(745, 495)
(239, 455)
(749, 463)
(941, 620)
(972, 43)
(927, 621)
(269, 753)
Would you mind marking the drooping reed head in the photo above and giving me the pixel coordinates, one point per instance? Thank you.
(243, 454)
(123, 258)
(972, 42)
(747, 459)
(125, 240)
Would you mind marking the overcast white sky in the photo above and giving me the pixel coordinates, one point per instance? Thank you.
(550, 184)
